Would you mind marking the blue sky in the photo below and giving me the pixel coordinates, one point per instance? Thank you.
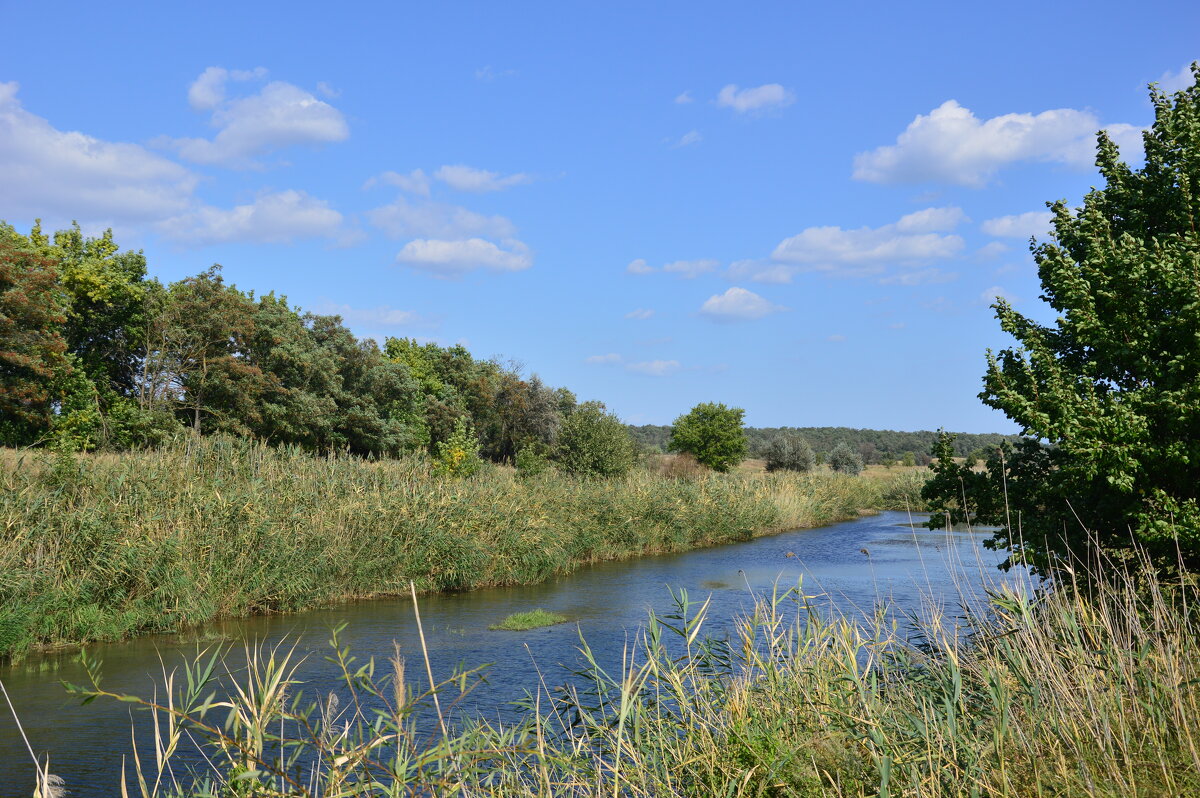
(801, 211)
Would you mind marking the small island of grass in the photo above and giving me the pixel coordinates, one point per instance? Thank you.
(520, 621)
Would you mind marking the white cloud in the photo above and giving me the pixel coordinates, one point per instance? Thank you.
(382, 316)
(738, 304)
(997, 292)
(952, 145)
(467, 178)
(683, 99)
(655, 368)
(991, 250)
(328, 91)
(208, 90)
(932, 220)
(611, 358)
(415, 182)
(63, 175)
(452, 259)
(770, 95)
(276, 218)
(280, 115)
(403, 219)
(758, 271)
(639, 266)
(836, 338)
(870, 249)
(931, 276)
(691, 137)
(1021, 225)
(641, 314)
(1178, 80)
(690, 269)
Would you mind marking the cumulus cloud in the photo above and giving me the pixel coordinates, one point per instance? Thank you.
(382, 316)
(916, 238)
(690, 269)
(403, 219)
(639, 266)
(655, 368)
(612, 358)
(63, 175)
(415, 182)
(759, 98)
(641, 314)
(683, 99)
(952, 145)
(452, 259)
(208, 90)
(932, 220)
(467, 178)
(1178, 80)
(1021, 225)
(738, 304)
(276, 218)
(279, 115)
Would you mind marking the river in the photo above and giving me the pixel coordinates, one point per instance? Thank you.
(853, 565)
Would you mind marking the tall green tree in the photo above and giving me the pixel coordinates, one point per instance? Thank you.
(1112, 389)
(713, 434)
(33, 357)
(198, 357)
(104, 293)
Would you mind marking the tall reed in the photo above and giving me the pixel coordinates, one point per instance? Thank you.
(103, 546)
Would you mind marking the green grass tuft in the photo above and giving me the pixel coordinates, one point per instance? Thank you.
(534, 619)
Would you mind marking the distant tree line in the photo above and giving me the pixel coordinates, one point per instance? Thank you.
(873, 446)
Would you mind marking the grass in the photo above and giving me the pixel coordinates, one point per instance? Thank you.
(534, 619)
(1084, 691)
(101, 547)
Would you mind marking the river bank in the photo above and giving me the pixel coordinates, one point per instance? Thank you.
(103, 547)
(868, 680)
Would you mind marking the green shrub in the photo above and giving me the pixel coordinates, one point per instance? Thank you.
(789, 452)
(594, 443)
(845, 460)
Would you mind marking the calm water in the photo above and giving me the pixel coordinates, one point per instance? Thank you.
(607, 603)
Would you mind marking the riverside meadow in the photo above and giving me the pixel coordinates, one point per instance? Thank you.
(103, 546)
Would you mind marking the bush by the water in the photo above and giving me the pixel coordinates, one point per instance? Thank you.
(789, 452)
(103, 546)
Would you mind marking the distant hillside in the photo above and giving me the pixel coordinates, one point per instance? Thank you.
(873, 444)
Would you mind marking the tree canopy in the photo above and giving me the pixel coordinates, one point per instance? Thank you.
(713, 434)
(1109, 395)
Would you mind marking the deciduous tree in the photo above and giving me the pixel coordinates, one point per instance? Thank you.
(1110, 390)
(713, 434)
